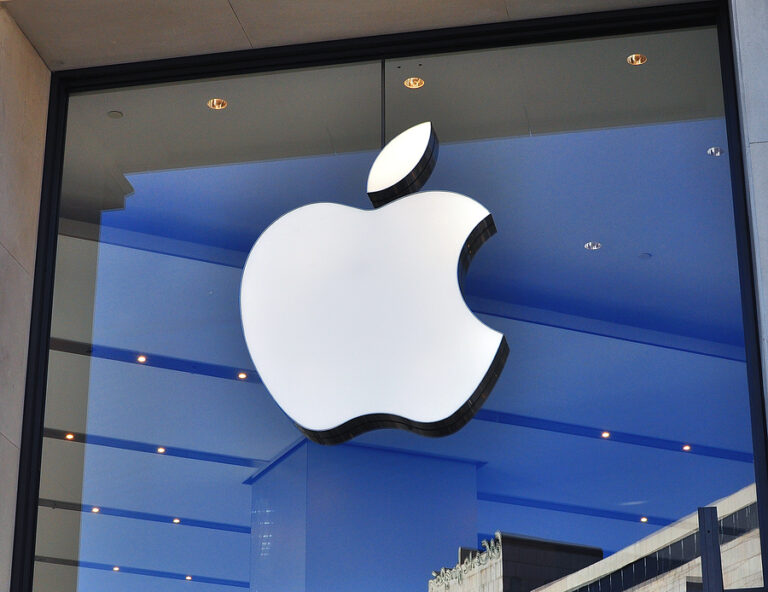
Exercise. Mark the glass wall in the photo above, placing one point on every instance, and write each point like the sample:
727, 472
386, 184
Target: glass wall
623, 404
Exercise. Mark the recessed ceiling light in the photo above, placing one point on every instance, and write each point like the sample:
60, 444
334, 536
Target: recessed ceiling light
188, 578
70, 436
95, 510
176, 520
643, 519
592, 246
115, 568
217, 104
115, 114
160, 450
141, 358
242, 375
687, 447
715, 151
605, 435
636, 59
413, 82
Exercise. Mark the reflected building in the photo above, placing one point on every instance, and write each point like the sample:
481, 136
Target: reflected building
669, 560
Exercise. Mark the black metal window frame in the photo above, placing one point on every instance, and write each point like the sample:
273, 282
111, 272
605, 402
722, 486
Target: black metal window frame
64, 83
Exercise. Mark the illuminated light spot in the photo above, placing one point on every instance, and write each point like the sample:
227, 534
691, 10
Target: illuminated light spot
217, 104
188, 578
413, 82
644, 519
141, 358
160, 450
687, 447
593, 246
605, 435
70, 436
176, 521
95, 510
636, 59
115, 568
242, 376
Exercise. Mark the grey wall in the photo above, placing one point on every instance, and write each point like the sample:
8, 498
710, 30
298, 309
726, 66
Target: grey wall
24, 83
750, 33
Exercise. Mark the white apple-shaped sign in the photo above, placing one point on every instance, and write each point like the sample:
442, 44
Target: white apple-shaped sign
355, 319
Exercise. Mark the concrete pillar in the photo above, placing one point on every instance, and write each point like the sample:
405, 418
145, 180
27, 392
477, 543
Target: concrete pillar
750, 40
24, 84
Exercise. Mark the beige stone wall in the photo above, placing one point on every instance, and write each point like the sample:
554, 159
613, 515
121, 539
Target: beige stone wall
741, 568
741, 559
750, 36
24, 85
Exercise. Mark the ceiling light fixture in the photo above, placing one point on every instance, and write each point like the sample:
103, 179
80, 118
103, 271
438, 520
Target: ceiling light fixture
160, 450
217, 104
687, 447
95, 510
188, 578
115, 114
115, 568
413, 82
592, 246
643, 519
605, 435
176, 521
141, 358
715, 151
70, 436
636, 59
242, 376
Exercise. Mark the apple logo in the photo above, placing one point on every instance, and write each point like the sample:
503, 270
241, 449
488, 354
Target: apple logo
355, 319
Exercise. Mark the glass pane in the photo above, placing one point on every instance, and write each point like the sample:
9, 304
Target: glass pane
623, 404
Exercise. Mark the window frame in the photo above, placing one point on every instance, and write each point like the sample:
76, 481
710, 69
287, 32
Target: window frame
561, 28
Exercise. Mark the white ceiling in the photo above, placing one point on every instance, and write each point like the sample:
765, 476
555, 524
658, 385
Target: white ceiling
80, 33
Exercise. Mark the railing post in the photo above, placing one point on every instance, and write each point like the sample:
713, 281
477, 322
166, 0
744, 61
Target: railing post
711, 566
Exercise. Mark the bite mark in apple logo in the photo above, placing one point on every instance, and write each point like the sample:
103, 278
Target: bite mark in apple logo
355, 319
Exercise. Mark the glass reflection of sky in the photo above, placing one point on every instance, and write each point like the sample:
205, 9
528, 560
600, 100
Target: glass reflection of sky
648, 348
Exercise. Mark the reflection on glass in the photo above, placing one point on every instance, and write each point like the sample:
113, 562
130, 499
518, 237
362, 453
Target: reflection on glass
623, 405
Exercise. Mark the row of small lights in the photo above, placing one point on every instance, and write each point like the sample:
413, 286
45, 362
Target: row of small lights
161, 450
97, 509
117, 568
606, 435
142, 359
412, 82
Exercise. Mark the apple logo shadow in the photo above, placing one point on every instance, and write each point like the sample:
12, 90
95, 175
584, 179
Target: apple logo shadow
355, 319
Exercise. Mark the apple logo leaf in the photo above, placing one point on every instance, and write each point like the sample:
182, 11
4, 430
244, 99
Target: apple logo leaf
355, 319
403, 165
